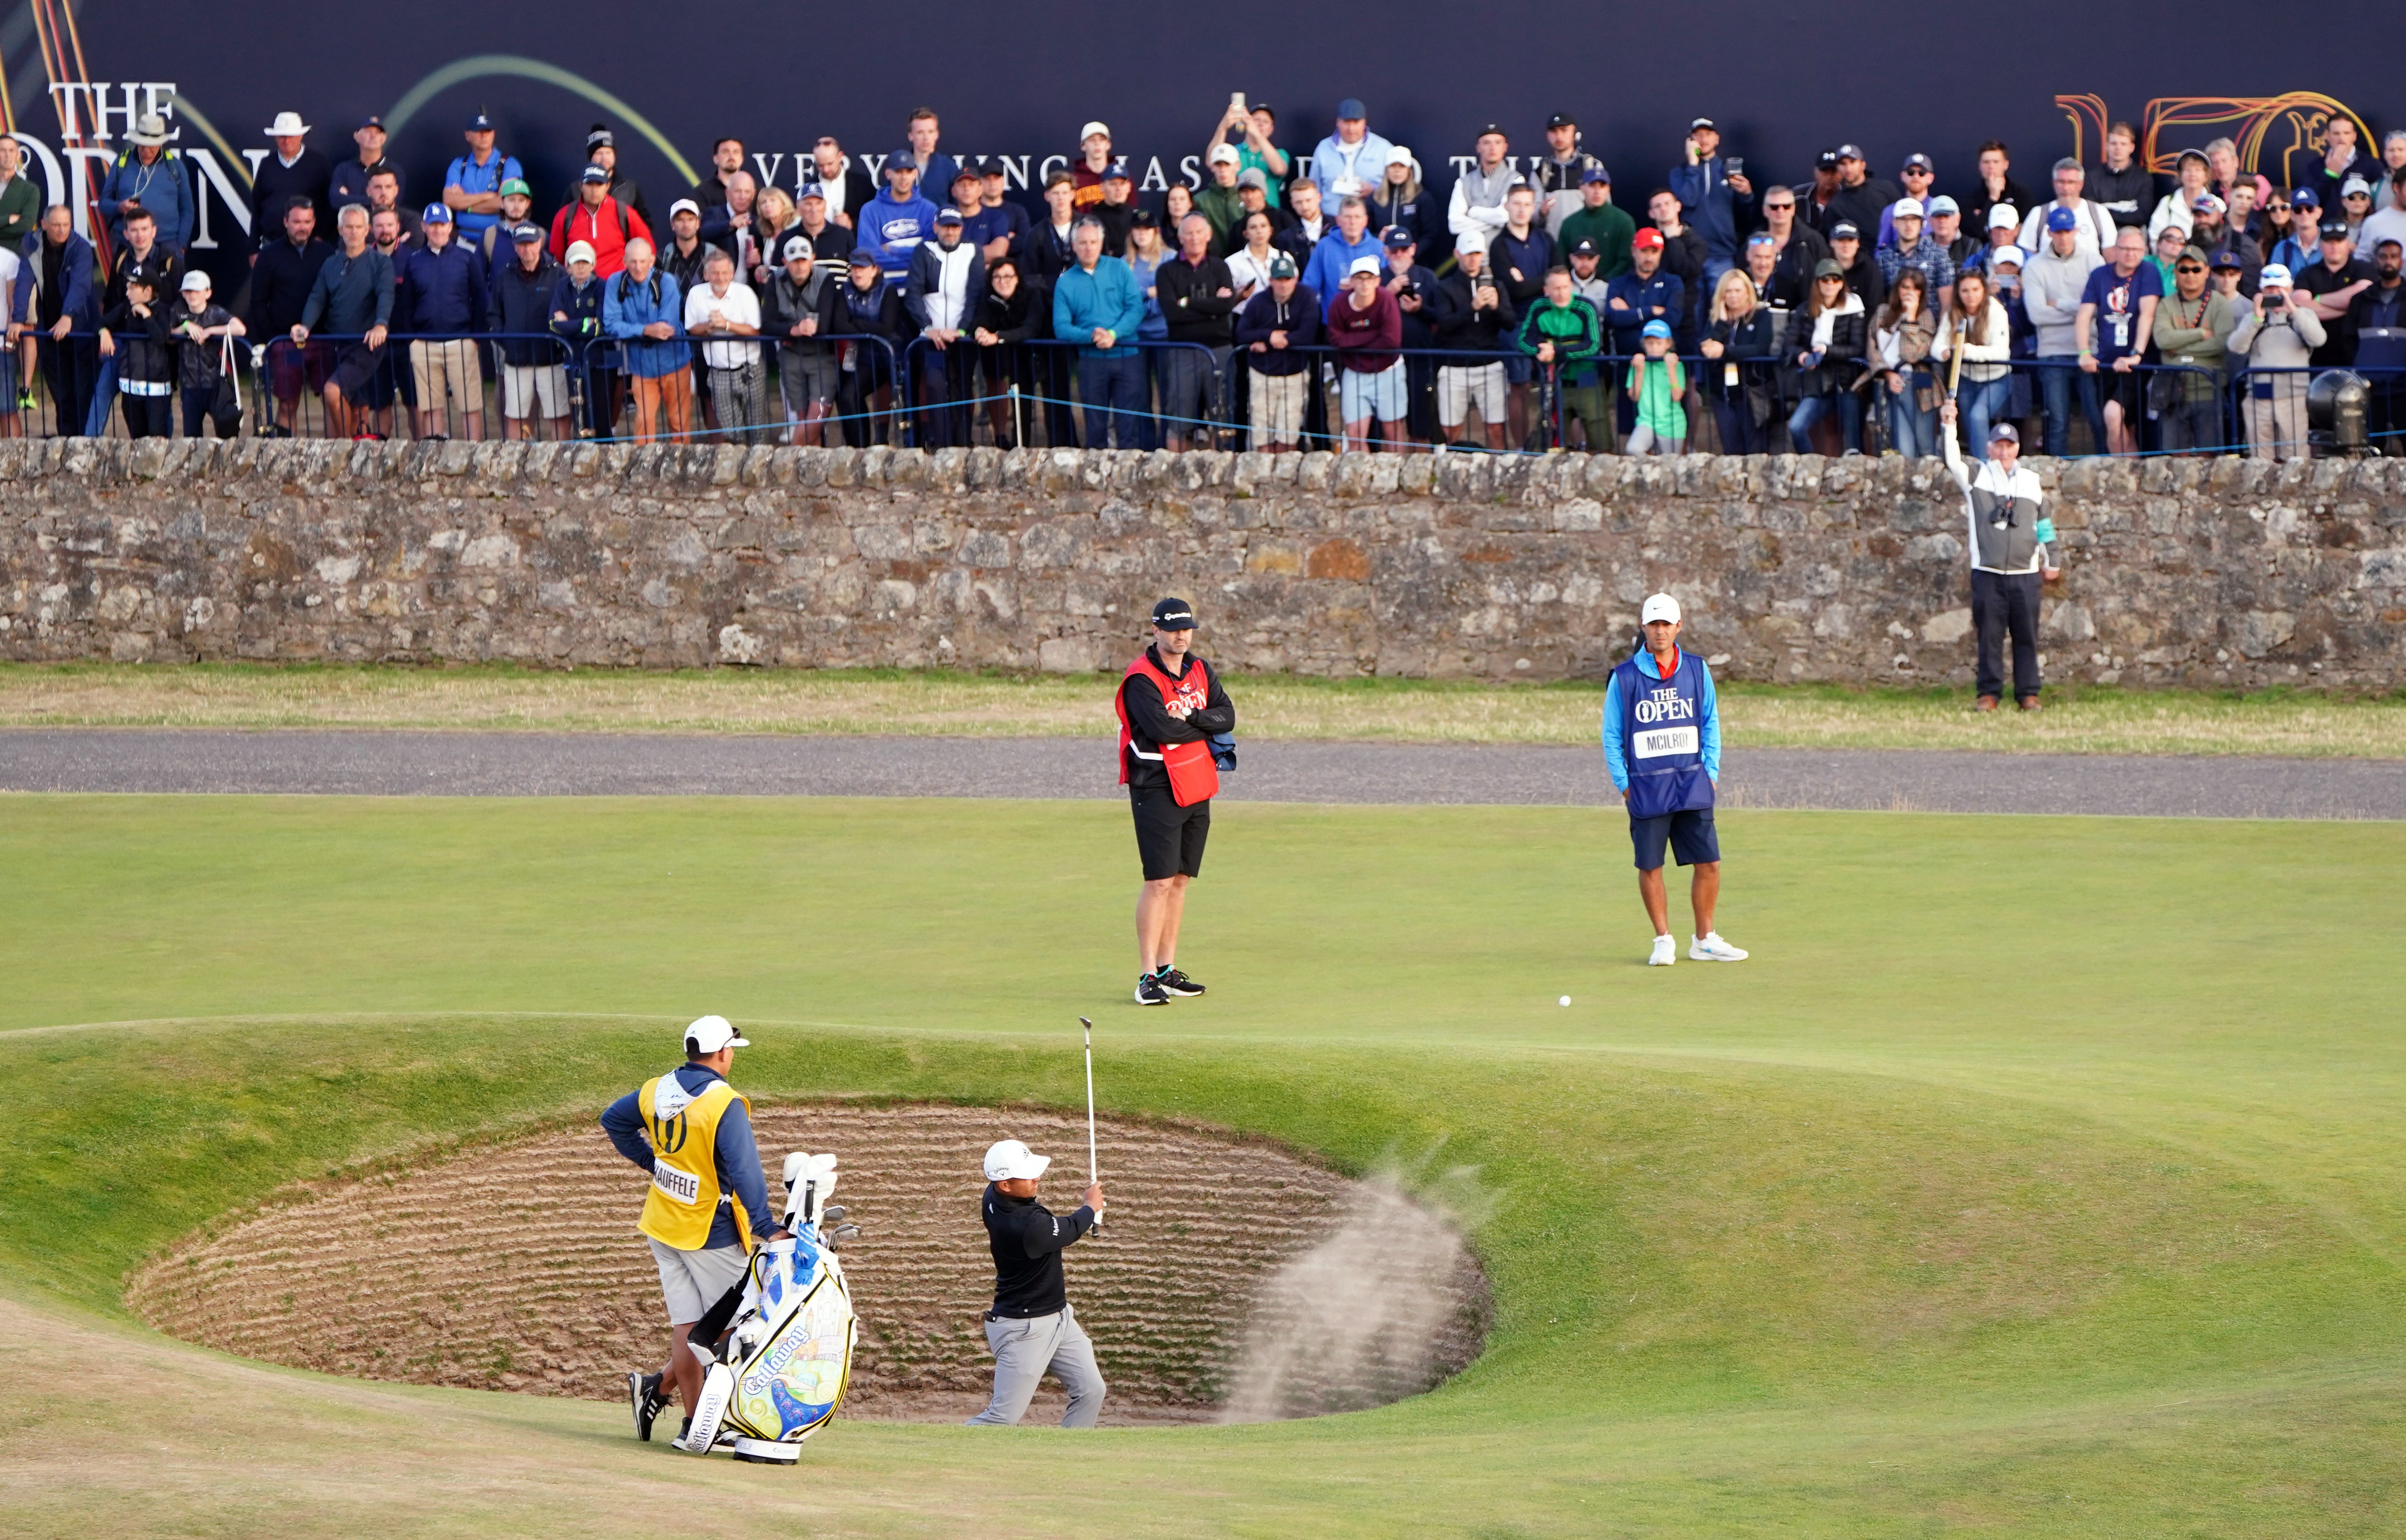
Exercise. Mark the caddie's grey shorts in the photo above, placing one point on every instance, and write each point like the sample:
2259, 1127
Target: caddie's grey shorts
1024, 1351
691, 1282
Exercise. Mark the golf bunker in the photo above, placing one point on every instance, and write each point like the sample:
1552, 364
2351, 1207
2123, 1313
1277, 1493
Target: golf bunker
1234, 1279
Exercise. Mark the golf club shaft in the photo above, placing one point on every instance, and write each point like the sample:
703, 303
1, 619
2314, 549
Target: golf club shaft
1092, 1175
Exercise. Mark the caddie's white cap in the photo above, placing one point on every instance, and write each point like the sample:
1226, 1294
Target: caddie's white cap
707, 1035
1659, 607
1008, 1160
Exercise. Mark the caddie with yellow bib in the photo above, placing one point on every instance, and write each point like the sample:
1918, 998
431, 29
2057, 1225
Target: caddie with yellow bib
1662, 746
691, 1133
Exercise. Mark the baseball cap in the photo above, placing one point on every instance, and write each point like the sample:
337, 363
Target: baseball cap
2275, 275
1118, 173
1351, 107
1918, 162
1399, 155
1496, 129
145, 274
1143, 220
579, 251
1253, 176
1562, 120
1845, 231
948, 215
1943, 204
1224, 155
1360, 265
1175, 615
2003, 217
1657, 329
1702, 123
2355, 187
434, 214
1595, 174
525, 233
515, 186
1906, 208
901, 160
863, 257
2305, 197
599, 137
2226, 258
2003, 433
685, 206
194, 279
2007, 255
798, 247
2334, 230
1008, 1160
1281, 266
1396, 237
2206, 203
480, 123
708, 1033
1092, 129
1827, 159
810, 189
1828, 268
1850, 152
1658, 607
967, 172
373, 121
1584, 248
1647, 239
990, 166
594, 173
2061, 218
1470, 240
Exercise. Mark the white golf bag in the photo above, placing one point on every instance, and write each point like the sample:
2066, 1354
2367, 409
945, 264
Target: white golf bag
781, 1370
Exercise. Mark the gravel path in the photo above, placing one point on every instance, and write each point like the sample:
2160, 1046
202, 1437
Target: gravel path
73, 760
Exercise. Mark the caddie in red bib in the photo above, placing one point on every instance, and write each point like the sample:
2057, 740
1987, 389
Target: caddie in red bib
1175, 728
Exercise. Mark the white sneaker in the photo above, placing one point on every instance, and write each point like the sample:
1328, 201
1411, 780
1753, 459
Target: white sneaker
1711, 948
1666, 952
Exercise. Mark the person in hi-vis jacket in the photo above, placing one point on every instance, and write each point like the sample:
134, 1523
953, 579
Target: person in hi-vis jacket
1663, 744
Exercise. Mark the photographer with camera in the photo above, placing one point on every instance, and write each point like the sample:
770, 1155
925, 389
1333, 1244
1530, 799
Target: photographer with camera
2277, 339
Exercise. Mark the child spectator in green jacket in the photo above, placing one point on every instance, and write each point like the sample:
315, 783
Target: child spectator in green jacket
1657, 384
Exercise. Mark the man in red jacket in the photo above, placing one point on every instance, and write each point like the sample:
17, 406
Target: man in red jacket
600, 222
1170, 707
1366, 327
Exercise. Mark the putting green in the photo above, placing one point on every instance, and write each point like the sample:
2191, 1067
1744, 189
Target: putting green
2039, 1175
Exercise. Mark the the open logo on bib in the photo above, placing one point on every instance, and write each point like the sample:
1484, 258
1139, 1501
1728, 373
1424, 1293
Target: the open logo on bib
1654, 742
683, 1186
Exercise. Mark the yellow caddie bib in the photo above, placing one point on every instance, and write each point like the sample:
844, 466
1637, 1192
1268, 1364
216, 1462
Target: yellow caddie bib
685, 1192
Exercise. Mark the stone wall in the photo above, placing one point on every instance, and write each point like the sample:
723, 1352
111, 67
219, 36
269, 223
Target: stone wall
2179, 570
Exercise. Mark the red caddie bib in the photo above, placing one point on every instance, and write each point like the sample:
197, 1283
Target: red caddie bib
1193, 776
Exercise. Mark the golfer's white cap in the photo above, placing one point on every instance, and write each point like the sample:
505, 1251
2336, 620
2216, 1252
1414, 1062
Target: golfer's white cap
707, 1035
1008, 1160
1659, 607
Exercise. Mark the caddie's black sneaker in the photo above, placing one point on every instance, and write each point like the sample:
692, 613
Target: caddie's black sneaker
1173, 981
1149, 990
643, 1392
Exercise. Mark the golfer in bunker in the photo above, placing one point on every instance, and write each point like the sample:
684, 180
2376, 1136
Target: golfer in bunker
1177, 728
691, 1133
1032, 1329
1663, 744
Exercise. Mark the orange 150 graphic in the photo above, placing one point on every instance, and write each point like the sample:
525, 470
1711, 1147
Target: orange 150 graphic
2279, 137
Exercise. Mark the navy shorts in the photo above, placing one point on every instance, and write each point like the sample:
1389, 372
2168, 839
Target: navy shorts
1690, 833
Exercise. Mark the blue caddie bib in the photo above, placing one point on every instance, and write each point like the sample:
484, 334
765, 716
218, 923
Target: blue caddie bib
1663, 734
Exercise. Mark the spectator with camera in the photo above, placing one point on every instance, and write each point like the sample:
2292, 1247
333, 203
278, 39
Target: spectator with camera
1825, 345
1254, 128
1715, 197
1474, 317
1413, 288
2277, 340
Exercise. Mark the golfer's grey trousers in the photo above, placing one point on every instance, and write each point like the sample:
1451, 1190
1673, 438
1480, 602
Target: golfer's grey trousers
1024, 1351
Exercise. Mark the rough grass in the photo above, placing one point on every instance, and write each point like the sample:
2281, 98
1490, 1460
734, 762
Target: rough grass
2080, 720
2011, 1185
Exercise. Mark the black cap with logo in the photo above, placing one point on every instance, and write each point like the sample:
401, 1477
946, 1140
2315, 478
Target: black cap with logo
1173, 615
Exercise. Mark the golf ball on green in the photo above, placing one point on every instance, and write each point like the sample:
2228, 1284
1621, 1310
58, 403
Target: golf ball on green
1566, 999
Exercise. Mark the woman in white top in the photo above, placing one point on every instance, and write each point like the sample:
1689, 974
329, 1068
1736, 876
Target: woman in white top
1904, 336
1249, 265
1978, 325
2179, 205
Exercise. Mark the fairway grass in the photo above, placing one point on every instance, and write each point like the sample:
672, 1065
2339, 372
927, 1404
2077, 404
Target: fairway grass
499, 698
2037, 1177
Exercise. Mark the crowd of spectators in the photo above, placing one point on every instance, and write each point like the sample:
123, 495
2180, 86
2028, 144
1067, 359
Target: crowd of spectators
1293, 298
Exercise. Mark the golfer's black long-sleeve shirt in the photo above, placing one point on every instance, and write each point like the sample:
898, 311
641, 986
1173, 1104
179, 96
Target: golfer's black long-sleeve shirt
1027, 1240
1152, 725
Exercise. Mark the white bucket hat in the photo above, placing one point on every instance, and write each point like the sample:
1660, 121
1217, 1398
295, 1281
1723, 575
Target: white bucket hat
150, 129
288, 126
1008, 1160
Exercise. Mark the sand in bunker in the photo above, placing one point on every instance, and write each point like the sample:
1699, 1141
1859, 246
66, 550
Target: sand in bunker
516, 1266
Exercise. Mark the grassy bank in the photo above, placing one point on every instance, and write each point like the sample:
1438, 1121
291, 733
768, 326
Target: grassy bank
2092, 720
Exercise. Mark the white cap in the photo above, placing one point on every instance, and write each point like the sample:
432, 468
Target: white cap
2002, 217
1401, 156
194, 278
1092, 129
685, 206
1008, 1160
1360, 265
706, 1035
2275, 275
1659, 607
579, 251
1225, 155
1470, 240
1907, 208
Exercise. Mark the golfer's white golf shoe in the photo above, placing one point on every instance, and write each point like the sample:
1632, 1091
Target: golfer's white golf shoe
1666, 952
1711, 948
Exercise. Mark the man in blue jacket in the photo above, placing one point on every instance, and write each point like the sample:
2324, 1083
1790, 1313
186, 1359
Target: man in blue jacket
643, 307
1334, 257
58, 293
1662, 746
446, 289
150, 175
897, 219
1097, 305
1715, 202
